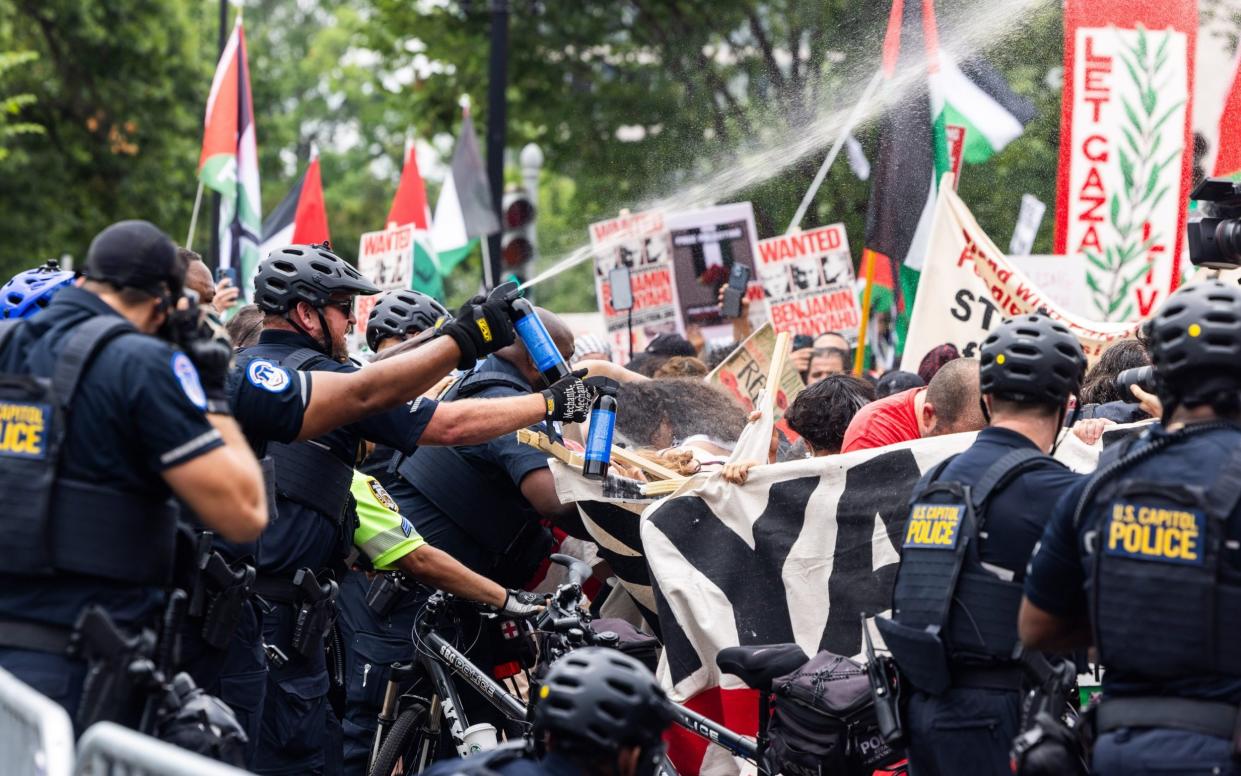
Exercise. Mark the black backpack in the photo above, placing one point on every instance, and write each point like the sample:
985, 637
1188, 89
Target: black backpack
824, 721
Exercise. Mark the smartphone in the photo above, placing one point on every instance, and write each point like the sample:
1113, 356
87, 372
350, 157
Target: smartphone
622, 288
738, 282
226, 272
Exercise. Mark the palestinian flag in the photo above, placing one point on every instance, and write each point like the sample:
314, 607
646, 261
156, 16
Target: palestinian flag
1228, 160
409, 206
465, 211
229, 162
301, 217
913, 147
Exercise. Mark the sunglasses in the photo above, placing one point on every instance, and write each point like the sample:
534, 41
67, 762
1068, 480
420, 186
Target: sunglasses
345, 307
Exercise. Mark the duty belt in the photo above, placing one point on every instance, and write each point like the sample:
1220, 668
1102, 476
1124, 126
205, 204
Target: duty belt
1211, 718
997, 677
35, 636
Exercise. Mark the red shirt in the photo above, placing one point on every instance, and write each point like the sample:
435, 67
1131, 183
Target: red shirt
884, 422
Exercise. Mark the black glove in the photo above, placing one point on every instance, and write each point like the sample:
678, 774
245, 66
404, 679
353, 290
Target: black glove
520, 603
569, 399
482, 326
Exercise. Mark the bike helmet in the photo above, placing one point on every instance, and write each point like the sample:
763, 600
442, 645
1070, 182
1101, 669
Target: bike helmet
1195, 342
29, 292
600, 699
305, 273
398, 313
1031, 359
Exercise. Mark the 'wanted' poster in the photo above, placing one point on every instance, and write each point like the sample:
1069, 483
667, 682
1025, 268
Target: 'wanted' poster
808, 277
638, 241
705, 245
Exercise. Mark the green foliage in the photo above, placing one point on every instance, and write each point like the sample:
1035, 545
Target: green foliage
12, 105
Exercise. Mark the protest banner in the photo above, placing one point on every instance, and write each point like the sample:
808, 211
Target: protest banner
1126, 148
386, 258
744, 375
808, 277
705, 245
1063, 278
968, 286
638, 241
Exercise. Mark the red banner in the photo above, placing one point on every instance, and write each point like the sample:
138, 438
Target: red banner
1126, 148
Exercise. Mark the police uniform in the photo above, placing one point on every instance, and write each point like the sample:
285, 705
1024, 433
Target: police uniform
374, 640
506, 761
137, 411
269, 404
312, 529
968, 725
1153, 560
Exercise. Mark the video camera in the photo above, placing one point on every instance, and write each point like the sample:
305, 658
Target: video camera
1215, 235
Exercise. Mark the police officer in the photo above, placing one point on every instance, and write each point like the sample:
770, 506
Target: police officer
306, 293
399, 314
102, 419
600, 713
973, 522
1143, 559
28, 292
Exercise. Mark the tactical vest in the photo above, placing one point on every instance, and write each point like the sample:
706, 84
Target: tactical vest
948, 610
492, 515
1159, 605
52, 523
309, 474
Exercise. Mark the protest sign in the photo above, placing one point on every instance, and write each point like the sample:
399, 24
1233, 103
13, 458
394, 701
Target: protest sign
808, 277
1063, 278
1028, 221
968, 287
744, 375
1125, 148
386, 258
638, 241
705, 245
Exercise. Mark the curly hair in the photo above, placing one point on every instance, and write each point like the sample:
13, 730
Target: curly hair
1099, 385
821, 413
689, 407
681, 366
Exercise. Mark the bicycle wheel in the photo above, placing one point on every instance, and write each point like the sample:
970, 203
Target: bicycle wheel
406, 749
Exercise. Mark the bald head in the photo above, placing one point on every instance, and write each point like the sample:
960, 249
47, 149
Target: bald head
516, 353
953, 396
198, 279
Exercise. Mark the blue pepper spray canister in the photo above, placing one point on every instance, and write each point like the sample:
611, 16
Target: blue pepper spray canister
598, 455
539, 343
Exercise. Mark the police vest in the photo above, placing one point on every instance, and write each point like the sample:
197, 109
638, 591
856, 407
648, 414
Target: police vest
947, 609
1159, 604
491, 513
309, 474
52, 523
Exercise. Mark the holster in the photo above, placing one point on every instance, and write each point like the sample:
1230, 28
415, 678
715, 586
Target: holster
316, 611
220, 593
386, 592
115, 661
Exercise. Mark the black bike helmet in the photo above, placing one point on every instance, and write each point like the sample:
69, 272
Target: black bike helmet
305, 273
1195, 342
1031, 359
398, 313
599, 699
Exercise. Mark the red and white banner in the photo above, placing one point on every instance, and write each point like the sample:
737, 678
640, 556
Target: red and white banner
808, 277
1126, 148
638, 241
386, 258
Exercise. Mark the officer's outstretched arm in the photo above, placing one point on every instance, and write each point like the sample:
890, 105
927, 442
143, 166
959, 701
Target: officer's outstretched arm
338, 399
1042, 630
224, 487
436, 568
472, 421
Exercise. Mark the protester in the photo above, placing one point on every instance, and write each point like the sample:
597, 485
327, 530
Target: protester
825, 362
671, 344
1101, 397
896, 381
245, 325
948, 405
591, 347
935, 360
821, 413
681, 366
716, 355
667, 413
832, 339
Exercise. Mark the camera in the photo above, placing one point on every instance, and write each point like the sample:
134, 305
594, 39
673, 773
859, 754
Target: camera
1215, 232
1141, 376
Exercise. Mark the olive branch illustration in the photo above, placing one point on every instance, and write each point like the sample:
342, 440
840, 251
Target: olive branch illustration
1142, 162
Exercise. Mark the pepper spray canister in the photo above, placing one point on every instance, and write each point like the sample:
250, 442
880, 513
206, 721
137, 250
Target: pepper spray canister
598, 455
539, 344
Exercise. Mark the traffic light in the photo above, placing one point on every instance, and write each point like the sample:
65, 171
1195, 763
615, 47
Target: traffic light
517, 248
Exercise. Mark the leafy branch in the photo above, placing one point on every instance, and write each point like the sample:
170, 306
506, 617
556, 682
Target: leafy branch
1142, 162
11, 106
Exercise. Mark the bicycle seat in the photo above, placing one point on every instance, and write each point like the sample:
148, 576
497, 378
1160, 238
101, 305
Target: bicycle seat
759, 665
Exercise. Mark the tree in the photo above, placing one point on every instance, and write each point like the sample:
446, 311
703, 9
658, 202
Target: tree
11, 106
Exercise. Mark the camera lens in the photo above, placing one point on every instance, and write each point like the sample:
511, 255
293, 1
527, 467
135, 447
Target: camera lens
1141, 376
1228, 240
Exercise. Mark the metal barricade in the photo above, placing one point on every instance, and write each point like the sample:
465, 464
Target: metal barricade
107, 749
36, 736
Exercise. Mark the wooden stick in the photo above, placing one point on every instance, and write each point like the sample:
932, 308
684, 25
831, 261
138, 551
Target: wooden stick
778, 356
859, 358
539, 440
